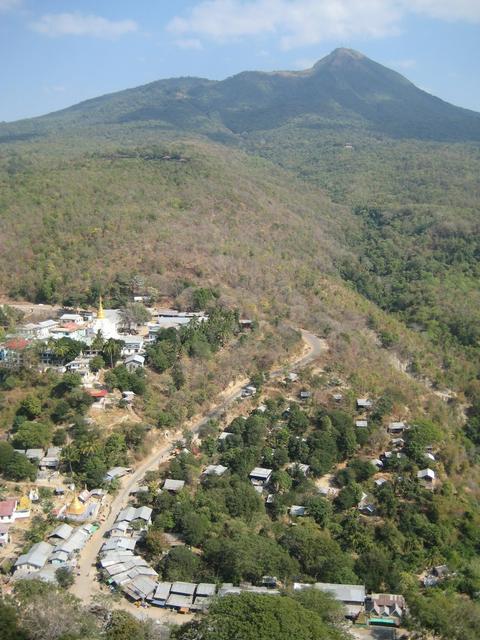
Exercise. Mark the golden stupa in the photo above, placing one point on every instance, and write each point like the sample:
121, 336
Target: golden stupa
101, 312
24, 503
75, 508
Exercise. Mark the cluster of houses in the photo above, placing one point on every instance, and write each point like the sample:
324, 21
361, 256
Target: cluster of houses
192, 597
124, 570
63, 544
43, 559
139, 582
260, 477
85, 326
16, 351
47, 460
183, 597
130, 573
381, 609
121, 567
396, 430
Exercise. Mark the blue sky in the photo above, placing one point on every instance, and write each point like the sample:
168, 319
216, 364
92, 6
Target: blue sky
58, 52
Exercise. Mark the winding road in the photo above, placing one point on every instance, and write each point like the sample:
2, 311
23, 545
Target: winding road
84, 586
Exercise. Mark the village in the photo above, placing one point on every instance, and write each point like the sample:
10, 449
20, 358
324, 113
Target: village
32, 345
121, 568
82, 514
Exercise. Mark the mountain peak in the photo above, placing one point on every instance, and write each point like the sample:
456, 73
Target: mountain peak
340, 57
342, 52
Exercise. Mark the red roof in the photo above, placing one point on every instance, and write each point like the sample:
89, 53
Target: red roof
17, 344
98, 393
70, 326
7, 507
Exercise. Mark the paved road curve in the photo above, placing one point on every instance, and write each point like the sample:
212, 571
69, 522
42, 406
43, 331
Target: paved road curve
85, 582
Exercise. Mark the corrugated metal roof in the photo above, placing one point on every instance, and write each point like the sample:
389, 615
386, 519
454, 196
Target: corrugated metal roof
343, 592
114, 557
297, 510
260, 472
37, 555
130, 513
173, 485
118, 542
215, 469
185, 588
74, 543
179, 602
59, 556
63, 531
143, 586
162, 591
205, 589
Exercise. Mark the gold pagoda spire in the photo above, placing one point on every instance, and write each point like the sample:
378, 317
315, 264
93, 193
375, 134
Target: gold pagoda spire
24, 503
75, 508
101, 312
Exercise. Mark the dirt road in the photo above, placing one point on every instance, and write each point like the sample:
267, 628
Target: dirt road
84, 586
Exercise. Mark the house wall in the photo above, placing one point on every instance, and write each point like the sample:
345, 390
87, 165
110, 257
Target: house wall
7, 519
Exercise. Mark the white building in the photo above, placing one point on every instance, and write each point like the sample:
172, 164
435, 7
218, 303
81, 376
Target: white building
4, 535
35, 558
134, 362
260, 476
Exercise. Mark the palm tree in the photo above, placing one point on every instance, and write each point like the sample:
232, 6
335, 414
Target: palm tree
112, 350
89, 447
70, 456
98, 342
60, 350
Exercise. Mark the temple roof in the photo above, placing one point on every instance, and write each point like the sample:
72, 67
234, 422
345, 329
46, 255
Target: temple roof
75, 508
24, 504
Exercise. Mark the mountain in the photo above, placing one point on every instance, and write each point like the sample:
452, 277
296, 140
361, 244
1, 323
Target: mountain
343, 89
249, 185
341, 199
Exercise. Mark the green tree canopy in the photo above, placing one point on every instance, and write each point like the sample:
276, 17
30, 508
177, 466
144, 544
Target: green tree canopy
252, 617
31, 435
180, 564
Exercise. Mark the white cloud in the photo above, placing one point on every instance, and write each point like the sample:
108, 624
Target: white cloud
8, 5
298, 23
450, 10
189, 43
78, 24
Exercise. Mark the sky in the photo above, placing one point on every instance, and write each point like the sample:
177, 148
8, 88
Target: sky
55, 53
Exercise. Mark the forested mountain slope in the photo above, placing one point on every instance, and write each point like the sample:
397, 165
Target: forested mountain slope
378, 185
206, 212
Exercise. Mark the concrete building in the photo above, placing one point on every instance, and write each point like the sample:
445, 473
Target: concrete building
260, 476
35, 558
